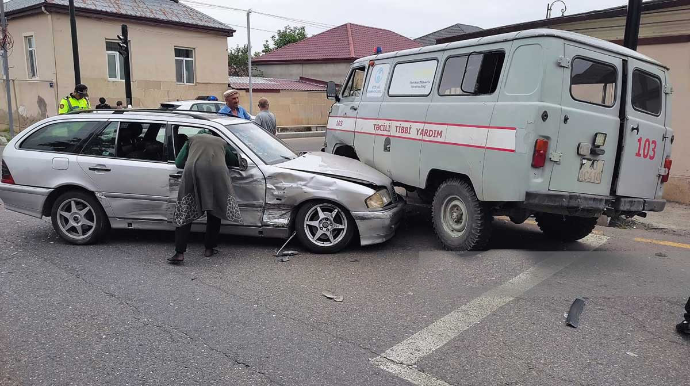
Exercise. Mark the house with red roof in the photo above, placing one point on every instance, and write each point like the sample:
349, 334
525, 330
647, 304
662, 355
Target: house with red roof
328, 55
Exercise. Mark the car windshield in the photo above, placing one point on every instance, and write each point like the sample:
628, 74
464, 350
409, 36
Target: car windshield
270, 149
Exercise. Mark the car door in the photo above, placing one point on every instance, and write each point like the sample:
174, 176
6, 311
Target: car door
368, 111
249, 184
126, 162
590, 107
343, 117
644, 134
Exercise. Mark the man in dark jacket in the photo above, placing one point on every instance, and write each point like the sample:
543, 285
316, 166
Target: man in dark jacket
102, 104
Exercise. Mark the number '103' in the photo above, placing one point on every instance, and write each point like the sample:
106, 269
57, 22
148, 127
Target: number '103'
646, 148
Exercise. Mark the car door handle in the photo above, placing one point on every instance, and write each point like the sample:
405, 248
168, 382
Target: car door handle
353, 108
175, 175
99, 168
635, 128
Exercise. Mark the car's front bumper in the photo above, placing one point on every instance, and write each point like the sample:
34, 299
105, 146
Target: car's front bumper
378, 226
24, 199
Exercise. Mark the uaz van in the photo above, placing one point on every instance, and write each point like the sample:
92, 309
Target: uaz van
544, 122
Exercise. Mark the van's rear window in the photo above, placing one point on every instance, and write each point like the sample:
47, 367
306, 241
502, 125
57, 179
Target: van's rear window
593, 82
646, 92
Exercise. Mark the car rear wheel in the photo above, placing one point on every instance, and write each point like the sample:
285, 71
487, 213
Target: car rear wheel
78, 218
565, 228
324, 227
461, 221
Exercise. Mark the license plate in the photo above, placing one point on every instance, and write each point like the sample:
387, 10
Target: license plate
591, 171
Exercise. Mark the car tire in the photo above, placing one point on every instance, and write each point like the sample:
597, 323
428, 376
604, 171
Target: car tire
461, 221
78, 218
324, 227
565, 228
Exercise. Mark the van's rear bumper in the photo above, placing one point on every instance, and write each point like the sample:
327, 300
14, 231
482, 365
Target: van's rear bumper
587, 204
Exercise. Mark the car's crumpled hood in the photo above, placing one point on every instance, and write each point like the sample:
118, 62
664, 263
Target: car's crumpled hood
336, 166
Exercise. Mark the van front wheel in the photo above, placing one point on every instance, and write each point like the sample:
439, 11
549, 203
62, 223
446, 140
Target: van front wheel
565, 228
461, 221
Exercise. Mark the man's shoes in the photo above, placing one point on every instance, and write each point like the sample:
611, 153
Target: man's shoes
683, 328
177, 258
210, 252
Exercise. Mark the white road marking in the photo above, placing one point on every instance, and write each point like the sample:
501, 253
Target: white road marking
400, 359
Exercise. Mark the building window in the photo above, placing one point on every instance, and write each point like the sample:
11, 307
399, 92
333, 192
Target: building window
31, 64
116, 63
184, 65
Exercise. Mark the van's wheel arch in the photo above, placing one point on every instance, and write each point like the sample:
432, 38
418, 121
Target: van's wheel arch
346, 151
78, 217
461, 221
565, 228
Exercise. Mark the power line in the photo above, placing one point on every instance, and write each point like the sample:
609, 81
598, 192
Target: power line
309, 23
252, 28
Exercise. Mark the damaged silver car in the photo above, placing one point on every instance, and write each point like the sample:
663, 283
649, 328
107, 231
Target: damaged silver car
93, 171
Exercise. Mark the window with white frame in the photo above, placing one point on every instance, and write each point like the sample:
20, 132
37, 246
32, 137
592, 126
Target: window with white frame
31, 63
116, 63
184, 65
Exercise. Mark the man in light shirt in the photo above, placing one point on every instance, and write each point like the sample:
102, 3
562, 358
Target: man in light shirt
265, 118
232, 105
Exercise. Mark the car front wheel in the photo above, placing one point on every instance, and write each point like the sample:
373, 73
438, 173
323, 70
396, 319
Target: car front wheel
78, 218
324, 227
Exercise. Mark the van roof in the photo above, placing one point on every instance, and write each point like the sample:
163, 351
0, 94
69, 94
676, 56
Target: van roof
542, 32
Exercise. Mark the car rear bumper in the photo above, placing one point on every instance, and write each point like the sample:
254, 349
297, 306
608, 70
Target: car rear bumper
28, 200
587, 204
379, 226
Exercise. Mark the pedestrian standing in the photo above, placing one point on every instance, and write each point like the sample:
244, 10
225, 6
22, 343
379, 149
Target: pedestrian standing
684, 326
102, 104
118, 105
205, 188
232, 106
265, 118
77, 100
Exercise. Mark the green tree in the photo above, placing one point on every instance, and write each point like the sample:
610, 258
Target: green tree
238, 60
287, 35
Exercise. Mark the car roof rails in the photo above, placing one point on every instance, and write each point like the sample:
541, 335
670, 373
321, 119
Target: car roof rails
158, 111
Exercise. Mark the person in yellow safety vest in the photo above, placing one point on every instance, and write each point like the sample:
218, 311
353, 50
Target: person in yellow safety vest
78, 100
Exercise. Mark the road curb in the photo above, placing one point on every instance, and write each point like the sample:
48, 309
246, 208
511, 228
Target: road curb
304, 134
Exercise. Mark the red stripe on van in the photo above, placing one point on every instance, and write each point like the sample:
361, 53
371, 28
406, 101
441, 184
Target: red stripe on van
428, 123
435, 142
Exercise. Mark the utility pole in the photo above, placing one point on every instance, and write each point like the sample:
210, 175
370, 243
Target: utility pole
75, 46
124, 51
249, 61
632, 24
6, 67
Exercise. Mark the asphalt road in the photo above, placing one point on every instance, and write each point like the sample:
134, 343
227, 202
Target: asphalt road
305, 144
117, 314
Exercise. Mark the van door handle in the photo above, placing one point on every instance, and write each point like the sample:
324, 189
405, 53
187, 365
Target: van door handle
387, 144
353, 108
99, 168
635, 128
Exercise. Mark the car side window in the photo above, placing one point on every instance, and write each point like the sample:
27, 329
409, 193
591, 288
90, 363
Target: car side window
355, 83
133, 140
182, 133
61, 137
103, 144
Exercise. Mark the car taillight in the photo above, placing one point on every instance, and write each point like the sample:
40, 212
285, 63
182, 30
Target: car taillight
6, 175
667, 166
539, 157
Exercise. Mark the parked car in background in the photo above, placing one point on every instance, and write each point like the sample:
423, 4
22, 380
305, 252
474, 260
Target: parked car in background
100, 169
195, 105
544, 122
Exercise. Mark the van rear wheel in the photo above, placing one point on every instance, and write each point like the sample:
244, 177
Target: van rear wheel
565, 228
461, 221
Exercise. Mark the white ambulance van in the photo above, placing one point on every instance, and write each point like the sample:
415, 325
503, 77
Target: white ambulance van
544, 122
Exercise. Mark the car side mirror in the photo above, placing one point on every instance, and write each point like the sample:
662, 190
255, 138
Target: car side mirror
331, 91
244, 165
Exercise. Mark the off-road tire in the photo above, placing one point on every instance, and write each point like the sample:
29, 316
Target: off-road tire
477, 231
100, 218
565, 228
306, 241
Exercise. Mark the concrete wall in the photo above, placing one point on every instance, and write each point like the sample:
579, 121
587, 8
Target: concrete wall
293, 108
32, 101
320, 71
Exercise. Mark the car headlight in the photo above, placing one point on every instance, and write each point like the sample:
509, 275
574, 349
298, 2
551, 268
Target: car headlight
379, 199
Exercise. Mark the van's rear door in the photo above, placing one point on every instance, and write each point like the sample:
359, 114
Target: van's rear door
644, 132
590, 105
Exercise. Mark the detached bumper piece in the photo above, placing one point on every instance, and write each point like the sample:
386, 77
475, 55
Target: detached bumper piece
572, 204
628, 204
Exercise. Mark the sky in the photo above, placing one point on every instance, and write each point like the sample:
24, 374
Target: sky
411, 18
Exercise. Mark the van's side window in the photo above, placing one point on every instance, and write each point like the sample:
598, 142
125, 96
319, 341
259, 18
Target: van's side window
593, 82
413, 78
355, 83
646, 92
474, 74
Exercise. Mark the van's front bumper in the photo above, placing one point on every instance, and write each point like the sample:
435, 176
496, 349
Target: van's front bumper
24, 199
587, 204
378, 226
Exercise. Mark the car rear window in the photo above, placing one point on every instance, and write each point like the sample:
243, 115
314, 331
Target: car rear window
646, 92
62, 137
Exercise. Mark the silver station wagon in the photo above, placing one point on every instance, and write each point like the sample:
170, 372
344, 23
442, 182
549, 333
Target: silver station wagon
97, 170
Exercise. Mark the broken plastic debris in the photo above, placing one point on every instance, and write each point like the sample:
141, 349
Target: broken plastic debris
328, 294
632, 354
278, 254
284, 259
660, 254
339, 298
573, 319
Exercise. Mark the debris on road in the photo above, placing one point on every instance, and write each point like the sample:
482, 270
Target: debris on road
660, 254
632, 354
573, 319
332, 296
286, 253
